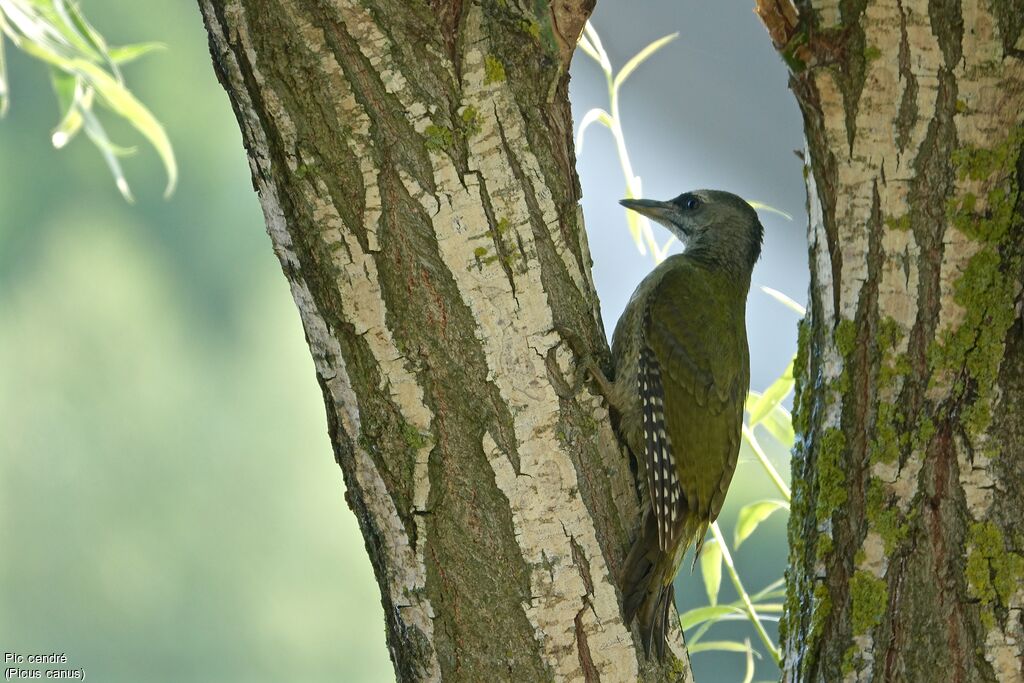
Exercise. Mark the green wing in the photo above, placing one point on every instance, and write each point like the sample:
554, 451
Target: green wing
695, 356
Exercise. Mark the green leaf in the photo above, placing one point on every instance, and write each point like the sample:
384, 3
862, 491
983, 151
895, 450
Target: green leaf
761, 206
94, 129
784, 300
750, 516
83, 69
4, 92
776, 589
749, 676
773, 395
129, 53
779, 424
639, 58
708, 613
117, 97
599, 54
83, 30
721, 646
636, 223
68, 89
595, 115
711, 569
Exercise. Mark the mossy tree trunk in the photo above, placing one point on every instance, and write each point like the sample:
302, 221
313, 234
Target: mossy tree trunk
415, 166
907, 531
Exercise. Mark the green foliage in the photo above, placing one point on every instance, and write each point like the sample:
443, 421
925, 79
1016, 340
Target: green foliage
752, 515
711, 569
84, 71
160, 412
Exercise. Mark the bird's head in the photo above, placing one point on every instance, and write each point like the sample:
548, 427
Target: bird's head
711, 224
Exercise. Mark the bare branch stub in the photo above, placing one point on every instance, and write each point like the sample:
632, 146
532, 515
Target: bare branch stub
780, 17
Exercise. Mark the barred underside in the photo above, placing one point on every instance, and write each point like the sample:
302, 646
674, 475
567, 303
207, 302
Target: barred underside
667, 500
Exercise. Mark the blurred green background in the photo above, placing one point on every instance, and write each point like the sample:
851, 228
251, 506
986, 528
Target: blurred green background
170, 509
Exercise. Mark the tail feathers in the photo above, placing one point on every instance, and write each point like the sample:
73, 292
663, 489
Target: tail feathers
647, 590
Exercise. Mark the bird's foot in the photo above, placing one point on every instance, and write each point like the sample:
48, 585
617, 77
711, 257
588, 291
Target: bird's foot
585, 360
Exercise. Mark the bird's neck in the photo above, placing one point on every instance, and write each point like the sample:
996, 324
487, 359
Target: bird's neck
722, 262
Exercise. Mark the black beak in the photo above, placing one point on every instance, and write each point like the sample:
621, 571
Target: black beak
655, 210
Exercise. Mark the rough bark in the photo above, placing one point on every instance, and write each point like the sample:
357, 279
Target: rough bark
415, 166
907, 529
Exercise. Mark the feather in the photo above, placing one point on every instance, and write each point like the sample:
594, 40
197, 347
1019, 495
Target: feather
667, 499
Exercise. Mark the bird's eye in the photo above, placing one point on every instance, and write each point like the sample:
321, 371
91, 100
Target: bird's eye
690, 203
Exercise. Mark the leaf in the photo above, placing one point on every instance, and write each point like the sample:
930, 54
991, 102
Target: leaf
773, 395
721, 646
84, 31
4, 92
784, 300
761, 206
638, 225
588, 49
749, 676
68, 89
129, 53
708, 613
595, 115
94, 129
776, 589
117, 97
750, 516
711, 569
779, 424
769, 607
599, 52
639, 58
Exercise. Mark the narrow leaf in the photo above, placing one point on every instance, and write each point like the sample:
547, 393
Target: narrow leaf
761, 206
784, 300
4, 92
749, 676
595, 115
721, 646
711, 569
773, 395
639, 58
85, 32
752, 515
599, 51
708, 613
68, 89
94, 129
117, 97
588, 49
779, 424
129, 53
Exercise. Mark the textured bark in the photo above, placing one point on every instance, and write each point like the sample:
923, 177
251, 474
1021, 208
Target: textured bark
906, 536
414, 162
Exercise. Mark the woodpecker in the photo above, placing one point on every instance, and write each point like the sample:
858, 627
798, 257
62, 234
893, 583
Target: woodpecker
682, 370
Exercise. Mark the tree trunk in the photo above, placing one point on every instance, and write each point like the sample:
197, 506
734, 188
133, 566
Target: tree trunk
907, 528
414, 162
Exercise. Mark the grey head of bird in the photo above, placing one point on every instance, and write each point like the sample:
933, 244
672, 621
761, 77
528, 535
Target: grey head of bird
713, 226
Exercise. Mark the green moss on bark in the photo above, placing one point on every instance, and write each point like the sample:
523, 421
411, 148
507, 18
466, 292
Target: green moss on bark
832, 491
868, 598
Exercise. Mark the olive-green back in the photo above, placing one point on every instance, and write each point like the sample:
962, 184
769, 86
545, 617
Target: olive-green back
695, 327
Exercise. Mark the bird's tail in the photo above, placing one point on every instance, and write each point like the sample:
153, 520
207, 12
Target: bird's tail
647, 591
